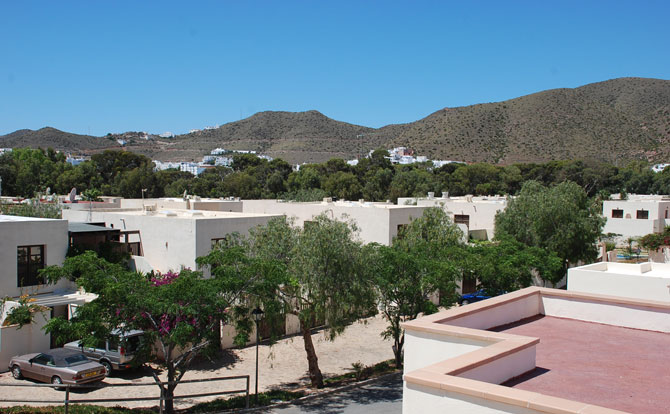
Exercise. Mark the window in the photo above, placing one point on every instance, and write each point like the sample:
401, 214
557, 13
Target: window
30, 260
643, 214
42, 359
462, 219
221, 241
617, 213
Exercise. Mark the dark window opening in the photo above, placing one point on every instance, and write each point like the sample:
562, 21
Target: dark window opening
30, 259
617, 213
643, 214
462, 219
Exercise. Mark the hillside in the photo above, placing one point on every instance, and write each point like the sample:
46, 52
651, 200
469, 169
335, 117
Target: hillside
615, 120
54, 138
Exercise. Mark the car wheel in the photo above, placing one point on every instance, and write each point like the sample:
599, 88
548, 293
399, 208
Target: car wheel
57, 381
108, 368
16, 372
464, 302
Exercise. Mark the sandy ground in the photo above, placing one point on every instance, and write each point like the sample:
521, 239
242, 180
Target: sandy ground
282, 365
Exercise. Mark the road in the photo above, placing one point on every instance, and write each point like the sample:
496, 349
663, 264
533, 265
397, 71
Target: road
379, 397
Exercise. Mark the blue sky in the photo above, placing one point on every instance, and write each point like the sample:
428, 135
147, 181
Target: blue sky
97, 67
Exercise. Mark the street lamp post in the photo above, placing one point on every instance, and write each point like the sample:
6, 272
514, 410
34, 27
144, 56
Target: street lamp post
257, 314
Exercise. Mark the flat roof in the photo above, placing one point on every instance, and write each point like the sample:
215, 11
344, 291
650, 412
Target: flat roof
183, 213
74, 227
638, 269
610, 366
5, 218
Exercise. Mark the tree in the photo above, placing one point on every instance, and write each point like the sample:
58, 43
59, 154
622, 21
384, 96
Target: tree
314, 274
559, 219
181, 312
412, 269
405, 283
343, 185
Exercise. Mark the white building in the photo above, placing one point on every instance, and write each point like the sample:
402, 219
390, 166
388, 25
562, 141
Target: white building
636, 216
171, 239
377, 222
476, 213
231, 204
649, 281
26, 246
167, 134
74, 161
659, 167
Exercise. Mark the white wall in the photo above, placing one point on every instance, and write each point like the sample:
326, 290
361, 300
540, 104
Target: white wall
629, 225
608, 313
481, 210
377, 222
506, 312
419, 399
615, 280
30, 338
179, 203
23, 231
425, 348
170, 243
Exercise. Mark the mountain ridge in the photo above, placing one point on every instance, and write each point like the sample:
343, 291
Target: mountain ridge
615, 120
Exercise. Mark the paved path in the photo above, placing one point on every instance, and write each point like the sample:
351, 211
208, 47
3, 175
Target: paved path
282, 365
379, 397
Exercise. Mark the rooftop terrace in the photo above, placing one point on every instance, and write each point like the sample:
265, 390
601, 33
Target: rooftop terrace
610, 366
553, 351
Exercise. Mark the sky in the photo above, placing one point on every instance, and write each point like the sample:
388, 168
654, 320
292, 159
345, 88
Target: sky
94, 67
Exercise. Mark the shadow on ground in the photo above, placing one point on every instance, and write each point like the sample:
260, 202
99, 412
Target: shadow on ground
385, 390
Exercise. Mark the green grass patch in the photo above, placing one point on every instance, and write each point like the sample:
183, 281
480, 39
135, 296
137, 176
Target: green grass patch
264, 399
75, 409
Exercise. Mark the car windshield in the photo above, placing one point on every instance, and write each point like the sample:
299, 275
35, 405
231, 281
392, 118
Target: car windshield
75, 360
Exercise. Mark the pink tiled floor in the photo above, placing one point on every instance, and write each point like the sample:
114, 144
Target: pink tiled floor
619, 368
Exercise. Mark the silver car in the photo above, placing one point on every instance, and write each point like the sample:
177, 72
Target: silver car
116, 353
57, 366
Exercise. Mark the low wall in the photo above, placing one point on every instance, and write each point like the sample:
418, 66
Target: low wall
608, 310
452, 364
607, 281
28, 339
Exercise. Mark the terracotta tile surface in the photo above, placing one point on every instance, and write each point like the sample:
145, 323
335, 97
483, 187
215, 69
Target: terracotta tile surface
618, 368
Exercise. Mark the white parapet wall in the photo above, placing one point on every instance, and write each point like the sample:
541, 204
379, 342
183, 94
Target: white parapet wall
454, 365
650, 281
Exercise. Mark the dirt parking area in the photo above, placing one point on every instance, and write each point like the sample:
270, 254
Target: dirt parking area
283, 364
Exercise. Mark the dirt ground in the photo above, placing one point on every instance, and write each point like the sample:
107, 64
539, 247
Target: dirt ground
283, 364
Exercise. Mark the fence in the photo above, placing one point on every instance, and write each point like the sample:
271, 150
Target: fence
67, 401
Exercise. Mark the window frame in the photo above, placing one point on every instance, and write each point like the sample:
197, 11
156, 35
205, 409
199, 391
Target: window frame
27, 272
617, 213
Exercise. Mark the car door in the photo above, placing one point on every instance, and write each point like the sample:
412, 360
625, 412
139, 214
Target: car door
38, 369
96, 352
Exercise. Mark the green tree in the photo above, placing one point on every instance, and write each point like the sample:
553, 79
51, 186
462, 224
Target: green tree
180, 312
559, 219
314, 275
412, 269
343, 185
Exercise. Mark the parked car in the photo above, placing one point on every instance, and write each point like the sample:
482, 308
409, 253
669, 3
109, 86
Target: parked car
57, 366
477, 296
116, 353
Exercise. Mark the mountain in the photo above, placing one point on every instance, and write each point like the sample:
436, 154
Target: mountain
616, 120
54, 138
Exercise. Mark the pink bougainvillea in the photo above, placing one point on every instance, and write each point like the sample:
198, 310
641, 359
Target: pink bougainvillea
164, 278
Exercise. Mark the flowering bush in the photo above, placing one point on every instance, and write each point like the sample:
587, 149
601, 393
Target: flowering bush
23, 314
654, 241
